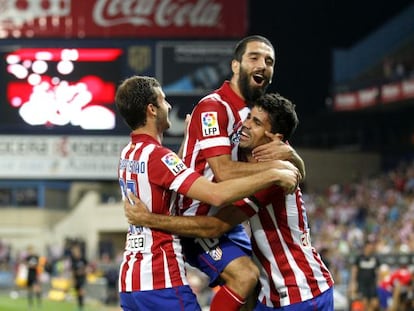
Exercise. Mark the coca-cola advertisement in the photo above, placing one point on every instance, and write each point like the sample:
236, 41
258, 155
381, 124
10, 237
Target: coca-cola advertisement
127, 19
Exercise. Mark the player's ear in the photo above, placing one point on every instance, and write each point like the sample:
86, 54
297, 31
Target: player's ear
151, 110
235, 66
280, 136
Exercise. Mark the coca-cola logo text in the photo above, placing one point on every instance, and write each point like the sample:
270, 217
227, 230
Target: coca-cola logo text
161, 13
122, 18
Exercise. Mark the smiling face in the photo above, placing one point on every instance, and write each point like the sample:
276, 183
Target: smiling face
253, 130
254, 72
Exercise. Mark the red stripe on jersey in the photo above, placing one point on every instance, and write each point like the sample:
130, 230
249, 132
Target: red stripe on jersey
201, 144
136, 280
171, 263
323, 268
277, 249
281, 244
123, 272
266, 266
302, 223
154, 172
158, 262
301, 210
297, 251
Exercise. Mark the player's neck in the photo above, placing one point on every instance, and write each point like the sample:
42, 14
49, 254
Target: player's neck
150, 130
235, 87
246, 155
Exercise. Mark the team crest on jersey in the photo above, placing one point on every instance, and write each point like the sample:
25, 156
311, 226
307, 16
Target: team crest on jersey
216, 253
173, 163
209, 124
235, 135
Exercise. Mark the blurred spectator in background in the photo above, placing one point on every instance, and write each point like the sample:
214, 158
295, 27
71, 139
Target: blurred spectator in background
5, 255
79, 269
395, 289
110, 272
363, 283
33, 281
402, 283
385, 288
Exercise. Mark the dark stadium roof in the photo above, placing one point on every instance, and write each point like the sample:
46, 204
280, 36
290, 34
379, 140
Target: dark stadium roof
304, 32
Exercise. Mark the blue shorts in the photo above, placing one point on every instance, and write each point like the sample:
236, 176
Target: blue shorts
212, 255
384, 297
323, 302
180, 298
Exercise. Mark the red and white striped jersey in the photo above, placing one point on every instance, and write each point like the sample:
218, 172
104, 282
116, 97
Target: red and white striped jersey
212, 131
291, 270
152, 259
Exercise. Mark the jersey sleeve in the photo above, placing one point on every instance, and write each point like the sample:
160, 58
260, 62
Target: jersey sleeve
252, 205
246, 207
170, 172
210, 127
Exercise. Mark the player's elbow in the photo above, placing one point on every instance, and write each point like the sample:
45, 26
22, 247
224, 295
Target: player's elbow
218, 199
214, 196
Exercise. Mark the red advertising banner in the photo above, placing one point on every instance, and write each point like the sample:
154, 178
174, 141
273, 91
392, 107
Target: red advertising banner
385, 94
356, 100
123, 18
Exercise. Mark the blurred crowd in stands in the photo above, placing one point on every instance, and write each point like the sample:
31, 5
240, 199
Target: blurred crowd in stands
377, 207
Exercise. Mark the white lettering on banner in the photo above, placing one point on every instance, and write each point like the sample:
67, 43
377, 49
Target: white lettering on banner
408, 88
13, 12
96, 148
345, 101
23, 147
205, 13
390, 91
368, 97
78, 157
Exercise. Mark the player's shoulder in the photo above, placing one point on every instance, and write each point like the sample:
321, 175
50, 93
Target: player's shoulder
211, 102
166, 155
160, 151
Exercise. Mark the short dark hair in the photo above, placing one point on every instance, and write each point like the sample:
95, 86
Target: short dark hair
132, 98
282, 114
240, 48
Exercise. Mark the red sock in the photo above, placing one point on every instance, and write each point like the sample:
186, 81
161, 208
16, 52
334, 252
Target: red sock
226, 299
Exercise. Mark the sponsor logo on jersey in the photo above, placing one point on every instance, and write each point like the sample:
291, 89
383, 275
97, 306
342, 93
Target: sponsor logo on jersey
209, 124
173, 163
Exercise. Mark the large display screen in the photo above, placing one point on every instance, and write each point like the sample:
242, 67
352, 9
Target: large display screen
66, 90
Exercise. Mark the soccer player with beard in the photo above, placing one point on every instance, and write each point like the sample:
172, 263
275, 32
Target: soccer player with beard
292, 273
210, 147
152, 273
